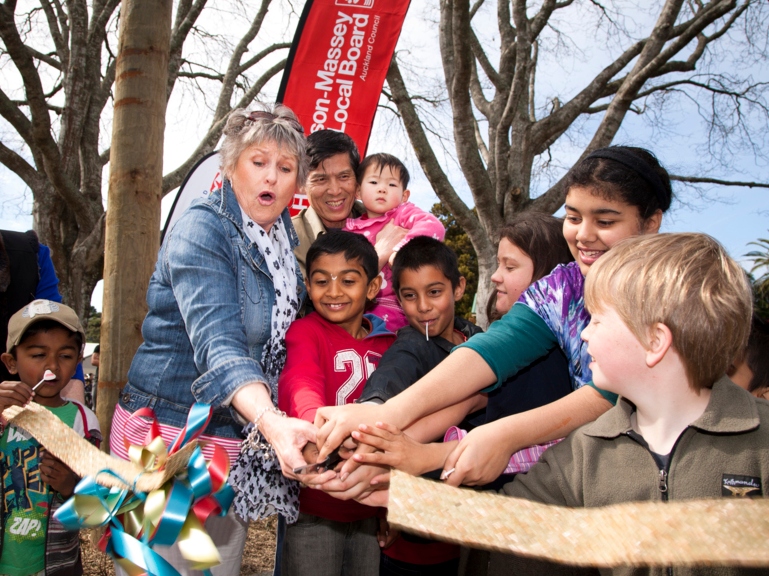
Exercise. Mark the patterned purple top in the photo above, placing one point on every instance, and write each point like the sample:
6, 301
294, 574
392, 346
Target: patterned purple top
559, 299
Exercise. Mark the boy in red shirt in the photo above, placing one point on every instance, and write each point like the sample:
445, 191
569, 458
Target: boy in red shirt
330, 354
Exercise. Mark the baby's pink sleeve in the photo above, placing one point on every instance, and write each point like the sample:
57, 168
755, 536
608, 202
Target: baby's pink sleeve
418, 223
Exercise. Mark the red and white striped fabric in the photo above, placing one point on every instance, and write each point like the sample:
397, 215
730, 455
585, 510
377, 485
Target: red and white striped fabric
136, 431
520, 462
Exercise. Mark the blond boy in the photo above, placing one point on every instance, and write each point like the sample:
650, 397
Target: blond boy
669, 313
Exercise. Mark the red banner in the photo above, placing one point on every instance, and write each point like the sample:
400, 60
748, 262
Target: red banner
337, 66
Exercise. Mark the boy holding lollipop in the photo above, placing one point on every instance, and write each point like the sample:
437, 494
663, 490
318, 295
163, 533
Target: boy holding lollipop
44, 347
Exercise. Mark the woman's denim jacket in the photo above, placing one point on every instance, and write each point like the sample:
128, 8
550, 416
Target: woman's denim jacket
210, 303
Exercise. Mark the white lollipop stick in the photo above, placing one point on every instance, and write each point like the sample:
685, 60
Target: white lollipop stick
47, 376
427, 331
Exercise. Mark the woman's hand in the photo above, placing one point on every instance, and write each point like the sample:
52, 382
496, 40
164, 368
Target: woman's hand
288, 437
399, 450
479, 458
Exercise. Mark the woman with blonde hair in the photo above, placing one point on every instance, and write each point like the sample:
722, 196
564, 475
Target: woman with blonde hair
225, 289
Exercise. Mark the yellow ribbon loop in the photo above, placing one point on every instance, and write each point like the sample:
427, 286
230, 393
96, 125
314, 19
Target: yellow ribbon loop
151, 457
196, 545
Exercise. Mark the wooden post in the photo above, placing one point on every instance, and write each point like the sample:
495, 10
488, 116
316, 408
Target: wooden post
133, 202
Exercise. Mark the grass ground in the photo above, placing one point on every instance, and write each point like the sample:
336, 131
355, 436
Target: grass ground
257, 556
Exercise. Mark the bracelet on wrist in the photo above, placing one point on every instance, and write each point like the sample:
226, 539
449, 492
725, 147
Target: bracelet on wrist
253, 440
262, 411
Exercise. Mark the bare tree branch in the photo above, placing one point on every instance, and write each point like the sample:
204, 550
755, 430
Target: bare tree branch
186, 16
207, 75
47, 58
20, 167
483, 60
56, 33
225, 97
16, 118
702, 180
424, 151
262, 55
467, 151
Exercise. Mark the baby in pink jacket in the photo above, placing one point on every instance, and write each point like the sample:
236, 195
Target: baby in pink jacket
382, 187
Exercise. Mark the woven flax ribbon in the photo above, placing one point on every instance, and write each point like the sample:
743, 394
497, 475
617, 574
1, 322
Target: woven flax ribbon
728, 531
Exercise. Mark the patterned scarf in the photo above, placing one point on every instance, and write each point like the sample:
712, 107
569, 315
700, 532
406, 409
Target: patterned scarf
262, 490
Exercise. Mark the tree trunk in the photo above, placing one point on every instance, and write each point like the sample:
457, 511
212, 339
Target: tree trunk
135, 189
487, 263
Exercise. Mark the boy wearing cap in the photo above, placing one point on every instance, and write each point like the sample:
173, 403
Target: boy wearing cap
43, 336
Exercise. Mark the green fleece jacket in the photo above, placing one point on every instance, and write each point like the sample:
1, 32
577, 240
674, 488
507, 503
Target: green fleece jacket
605, 462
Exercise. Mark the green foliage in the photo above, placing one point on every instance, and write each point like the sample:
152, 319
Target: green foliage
760, 260
93, 325
457, 240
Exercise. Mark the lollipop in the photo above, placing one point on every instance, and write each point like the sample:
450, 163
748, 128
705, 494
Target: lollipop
47, 376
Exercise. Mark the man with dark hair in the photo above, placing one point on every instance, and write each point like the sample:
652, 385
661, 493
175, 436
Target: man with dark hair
330, 188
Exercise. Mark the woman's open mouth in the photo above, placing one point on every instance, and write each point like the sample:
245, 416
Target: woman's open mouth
266, 198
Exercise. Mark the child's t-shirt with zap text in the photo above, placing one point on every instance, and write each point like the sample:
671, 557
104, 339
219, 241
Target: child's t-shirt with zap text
26, 498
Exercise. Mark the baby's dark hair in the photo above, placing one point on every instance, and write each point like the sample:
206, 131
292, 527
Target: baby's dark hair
425, 251
353, 246
633, 175
383, 161
45, 326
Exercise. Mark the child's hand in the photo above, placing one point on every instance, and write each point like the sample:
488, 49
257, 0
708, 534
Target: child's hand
399, 450
375, 499
357, 484
387, 239
57, 474
478, 458
336, 422
310, 453
349, 465
386, 535
14, 394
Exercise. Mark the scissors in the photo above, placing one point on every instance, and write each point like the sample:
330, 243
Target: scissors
319, 467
